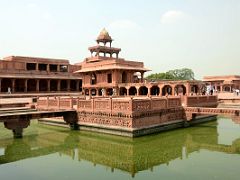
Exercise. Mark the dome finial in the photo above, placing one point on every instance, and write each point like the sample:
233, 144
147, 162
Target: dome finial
104, 36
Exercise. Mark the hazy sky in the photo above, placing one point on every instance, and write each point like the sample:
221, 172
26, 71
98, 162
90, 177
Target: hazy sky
203, 35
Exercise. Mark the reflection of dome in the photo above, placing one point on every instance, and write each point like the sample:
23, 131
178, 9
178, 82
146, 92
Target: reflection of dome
104, 36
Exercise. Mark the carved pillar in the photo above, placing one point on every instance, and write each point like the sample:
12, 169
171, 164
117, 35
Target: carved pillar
149, 91
127, 91
25, 85
137, 91
142, 74
48, 85
59, 85
77, 85
58, 68
48, 67
68, 85
221, 88
37, 85
13, 85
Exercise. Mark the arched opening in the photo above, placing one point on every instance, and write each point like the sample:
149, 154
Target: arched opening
194, 89
6, 83
19, 85
93, 92
123, 91
180, 90
227, 88
73, 85
155, 90
31, 85
143, 90
124, 77
93, 79
166, 90
109, 92
53, 85
63, 85
43, 85
86, 92
132, 91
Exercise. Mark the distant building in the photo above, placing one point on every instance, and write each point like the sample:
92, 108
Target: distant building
33, 75
223, 83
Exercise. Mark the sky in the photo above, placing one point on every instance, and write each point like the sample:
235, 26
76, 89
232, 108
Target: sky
203, 35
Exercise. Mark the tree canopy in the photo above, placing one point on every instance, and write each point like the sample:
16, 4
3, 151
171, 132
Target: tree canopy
176, 74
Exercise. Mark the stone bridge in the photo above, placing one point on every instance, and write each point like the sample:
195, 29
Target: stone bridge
192, 112
20, 120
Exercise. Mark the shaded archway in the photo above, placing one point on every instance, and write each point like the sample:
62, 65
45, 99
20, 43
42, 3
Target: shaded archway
19, 85
124, 77
166, 90
123, 91
43, 85
31, 85
194, 89
109, 92
143, 90
180, 89
155, 90
227, 88
73, 85
86, 92
53, 85
6, 83
132, 91
63, 85
93, 92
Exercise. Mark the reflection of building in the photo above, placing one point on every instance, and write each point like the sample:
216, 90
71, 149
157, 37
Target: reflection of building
223, 83
30, 74
129, 155
104, 73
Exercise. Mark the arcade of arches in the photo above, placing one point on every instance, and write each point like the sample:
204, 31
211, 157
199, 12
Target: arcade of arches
148, 89
39, 85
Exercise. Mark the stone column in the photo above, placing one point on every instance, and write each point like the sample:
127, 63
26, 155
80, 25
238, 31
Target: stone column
0, 85
137, 91
58, 68
68, 85
13, 85
48, 67
127, 91
149, 91
142, 74
37, 85
221, 88
59, 85
25, 85
77, 85
48, 85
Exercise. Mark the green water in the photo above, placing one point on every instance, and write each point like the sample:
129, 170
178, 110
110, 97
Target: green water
206, 151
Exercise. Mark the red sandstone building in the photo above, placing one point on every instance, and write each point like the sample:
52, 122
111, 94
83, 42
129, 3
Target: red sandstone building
223, 83
34, 75
102, 74
105, 73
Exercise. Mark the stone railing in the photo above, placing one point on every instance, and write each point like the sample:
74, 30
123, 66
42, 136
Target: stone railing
56, 103
109, 105
199, 101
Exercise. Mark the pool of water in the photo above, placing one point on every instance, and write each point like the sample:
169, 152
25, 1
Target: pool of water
206, 151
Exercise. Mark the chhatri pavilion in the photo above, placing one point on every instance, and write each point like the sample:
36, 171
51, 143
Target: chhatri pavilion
105, 73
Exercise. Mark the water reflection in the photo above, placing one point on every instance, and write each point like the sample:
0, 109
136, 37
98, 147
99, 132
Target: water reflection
129, 155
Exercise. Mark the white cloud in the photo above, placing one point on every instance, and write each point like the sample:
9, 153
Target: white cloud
123, 24
173, 16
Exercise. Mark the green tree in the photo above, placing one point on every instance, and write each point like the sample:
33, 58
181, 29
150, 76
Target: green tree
176, 74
